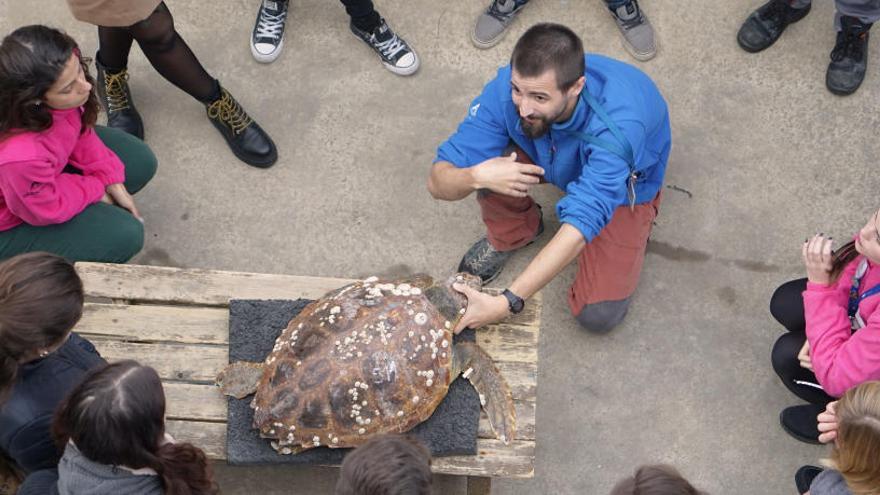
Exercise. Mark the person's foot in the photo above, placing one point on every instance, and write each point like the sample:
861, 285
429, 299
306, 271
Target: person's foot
849, 59
486, 262
267, 38
637, 32
764, 26
801, 423
804, 477
395, 53
116, 97
492, 24
246, 139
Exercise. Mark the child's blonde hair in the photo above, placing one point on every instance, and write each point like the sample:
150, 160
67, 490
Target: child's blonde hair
857, 449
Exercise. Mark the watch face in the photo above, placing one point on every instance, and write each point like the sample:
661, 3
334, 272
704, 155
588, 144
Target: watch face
513, 301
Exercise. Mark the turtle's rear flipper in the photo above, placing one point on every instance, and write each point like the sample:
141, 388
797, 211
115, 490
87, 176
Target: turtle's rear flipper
475, 365
240, 379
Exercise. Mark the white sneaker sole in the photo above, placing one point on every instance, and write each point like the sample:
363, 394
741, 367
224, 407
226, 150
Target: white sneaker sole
266, 58
404, 71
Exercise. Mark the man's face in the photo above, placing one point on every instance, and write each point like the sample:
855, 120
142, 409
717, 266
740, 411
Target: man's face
540, 102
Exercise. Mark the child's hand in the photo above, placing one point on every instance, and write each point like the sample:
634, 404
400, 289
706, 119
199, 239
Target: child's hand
828, 423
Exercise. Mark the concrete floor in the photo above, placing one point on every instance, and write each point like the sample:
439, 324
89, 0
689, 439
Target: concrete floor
766, 154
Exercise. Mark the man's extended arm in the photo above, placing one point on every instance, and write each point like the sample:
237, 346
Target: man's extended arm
503, 175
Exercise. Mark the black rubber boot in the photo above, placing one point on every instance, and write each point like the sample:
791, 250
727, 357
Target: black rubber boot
804, 477
765, 25
245, 138
116, 98
849, 59
801, 423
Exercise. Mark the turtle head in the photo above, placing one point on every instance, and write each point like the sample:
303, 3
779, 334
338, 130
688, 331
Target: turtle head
449, 301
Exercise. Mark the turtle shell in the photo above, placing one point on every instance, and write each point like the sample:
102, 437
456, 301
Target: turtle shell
371, 357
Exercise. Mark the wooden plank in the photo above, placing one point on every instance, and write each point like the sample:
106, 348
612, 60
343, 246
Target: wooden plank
149, 323
506, 342
210, 437
180, 362
479, 485
196, 286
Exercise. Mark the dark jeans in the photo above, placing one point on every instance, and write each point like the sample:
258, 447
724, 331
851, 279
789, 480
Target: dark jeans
101, 232
43, 482
787, 306
358, 8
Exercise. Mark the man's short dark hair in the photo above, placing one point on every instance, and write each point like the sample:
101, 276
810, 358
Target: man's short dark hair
549, 46
386, 465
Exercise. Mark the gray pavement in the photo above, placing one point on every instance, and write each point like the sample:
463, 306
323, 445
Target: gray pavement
765, 154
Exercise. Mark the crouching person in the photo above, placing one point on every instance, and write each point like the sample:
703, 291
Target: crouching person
594, 127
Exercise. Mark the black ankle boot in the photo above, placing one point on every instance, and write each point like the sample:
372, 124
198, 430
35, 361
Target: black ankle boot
766, 24
849, 59
116, 98
246, 139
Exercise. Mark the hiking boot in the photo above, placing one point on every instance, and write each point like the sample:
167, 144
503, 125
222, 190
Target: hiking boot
849, 59
492, 24
765, 25
116, 98
486, 262
801, 423
804, 477
267, 38
245, 138
638, 35
395, 53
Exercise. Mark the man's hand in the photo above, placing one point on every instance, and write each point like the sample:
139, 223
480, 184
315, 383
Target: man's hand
124, 200
482, 309
804, 357
828, 423
817, 257
504, 175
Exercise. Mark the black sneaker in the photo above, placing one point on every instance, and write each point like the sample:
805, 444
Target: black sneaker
765, 25
267, 38
396, 55
849, 59
804, 477
246, 139
486, 262
116, 98
801, 423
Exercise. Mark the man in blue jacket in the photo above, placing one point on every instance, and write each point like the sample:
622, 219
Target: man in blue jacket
594, 127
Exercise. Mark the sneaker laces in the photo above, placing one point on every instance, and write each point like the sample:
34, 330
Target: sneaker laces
227, 110
271, 25
501, 9
632, 20
851, 44
484, 256
389, 47
114, 89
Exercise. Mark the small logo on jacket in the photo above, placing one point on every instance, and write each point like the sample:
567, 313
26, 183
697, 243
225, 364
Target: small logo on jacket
473, 110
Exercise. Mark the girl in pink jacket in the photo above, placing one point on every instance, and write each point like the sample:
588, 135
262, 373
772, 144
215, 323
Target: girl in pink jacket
833, 322
65, 184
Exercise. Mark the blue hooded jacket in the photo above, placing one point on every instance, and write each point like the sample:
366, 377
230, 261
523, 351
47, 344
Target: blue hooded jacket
594, 179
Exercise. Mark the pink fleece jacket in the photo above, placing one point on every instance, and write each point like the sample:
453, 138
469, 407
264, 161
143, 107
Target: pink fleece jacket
33, 187
842, 359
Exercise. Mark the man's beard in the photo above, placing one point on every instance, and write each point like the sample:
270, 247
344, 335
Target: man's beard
535, 129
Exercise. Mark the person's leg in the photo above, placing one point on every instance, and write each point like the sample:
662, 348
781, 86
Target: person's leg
139, 160
42, 482
636, 30
101, 232
609, 268
787, 305
396, 54
491, 24
267, 38
849, 58
114, 44
765, 25
173, 59
798, 421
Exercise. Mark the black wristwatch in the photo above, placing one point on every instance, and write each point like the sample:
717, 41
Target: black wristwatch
514, 302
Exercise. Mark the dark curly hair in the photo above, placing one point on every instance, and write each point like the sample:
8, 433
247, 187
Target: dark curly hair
31, 60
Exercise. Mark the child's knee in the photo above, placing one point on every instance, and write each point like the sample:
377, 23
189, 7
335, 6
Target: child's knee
602, 317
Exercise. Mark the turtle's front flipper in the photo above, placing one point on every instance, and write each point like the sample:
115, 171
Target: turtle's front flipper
480, 370
240, 379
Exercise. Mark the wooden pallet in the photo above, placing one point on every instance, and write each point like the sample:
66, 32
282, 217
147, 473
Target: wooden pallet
176, 320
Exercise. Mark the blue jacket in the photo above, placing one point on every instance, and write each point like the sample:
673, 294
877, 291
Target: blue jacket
594, 179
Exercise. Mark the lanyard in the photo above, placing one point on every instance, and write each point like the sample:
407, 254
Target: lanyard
621, 148
852, 307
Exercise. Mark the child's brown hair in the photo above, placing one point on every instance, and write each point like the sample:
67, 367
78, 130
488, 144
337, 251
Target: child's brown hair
655, 480
386, 465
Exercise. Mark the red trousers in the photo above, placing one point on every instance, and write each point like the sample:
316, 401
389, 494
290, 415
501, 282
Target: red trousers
608, 267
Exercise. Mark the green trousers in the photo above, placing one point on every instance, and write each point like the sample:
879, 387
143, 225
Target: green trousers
101, 232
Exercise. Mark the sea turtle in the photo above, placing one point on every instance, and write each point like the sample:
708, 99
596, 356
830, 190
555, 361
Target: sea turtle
372, 357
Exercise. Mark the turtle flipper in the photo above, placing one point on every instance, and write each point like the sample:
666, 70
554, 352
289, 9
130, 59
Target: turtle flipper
240, 379
495, 397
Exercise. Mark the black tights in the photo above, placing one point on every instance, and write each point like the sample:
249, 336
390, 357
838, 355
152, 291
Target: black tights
362, 13
787, 306
165, 50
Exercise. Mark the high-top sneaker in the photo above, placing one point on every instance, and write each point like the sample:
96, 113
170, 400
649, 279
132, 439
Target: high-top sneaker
491, 25
245, 138
395, 53
637, 32
267, 38
765, 25
849, 59
116, 98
